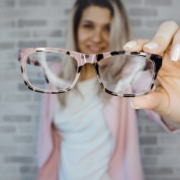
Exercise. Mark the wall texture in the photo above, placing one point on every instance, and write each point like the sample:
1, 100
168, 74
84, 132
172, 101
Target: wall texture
28, 23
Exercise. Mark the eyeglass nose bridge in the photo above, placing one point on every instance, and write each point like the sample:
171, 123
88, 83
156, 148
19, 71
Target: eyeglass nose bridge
87, 58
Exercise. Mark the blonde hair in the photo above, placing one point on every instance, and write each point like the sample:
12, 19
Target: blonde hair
120, 33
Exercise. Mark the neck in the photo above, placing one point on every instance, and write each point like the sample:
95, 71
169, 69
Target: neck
88, 72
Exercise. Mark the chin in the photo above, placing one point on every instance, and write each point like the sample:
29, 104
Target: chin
95, 52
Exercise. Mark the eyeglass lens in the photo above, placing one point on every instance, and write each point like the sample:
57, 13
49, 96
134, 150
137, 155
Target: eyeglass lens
126, 71
49, 70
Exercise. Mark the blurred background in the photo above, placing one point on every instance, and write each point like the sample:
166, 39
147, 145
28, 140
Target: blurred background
31, 23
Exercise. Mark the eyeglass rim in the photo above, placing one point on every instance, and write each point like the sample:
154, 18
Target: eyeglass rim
24, 53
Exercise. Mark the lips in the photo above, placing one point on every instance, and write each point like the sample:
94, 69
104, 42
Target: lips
95, 49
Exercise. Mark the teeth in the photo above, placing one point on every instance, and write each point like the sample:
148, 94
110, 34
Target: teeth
95, 48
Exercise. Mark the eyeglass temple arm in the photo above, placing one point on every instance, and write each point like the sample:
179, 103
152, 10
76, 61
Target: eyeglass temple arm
37, 63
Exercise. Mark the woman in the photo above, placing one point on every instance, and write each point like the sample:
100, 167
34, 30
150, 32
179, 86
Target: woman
103, 145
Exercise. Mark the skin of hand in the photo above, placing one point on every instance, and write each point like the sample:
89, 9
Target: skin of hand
165, 99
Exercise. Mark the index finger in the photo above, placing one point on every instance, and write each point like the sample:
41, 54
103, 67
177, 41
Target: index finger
162, 38
175, 51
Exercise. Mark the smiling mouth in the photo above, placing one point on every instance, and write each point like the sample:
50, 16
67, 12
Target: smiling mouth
94, 49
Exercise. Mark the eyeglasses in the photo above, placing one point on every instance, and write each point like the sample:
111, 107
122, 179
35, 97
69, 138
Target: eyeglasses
54, 70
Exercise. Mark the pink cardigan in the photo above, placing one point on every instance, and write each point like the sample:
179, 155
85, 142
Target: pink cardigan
125, 162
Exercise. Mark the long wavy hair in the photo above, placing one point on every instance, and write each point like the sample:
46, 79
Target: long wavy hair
120, 33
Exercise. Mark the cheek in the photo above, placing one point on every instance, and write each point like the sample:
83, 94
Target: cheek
106, 37
82, 37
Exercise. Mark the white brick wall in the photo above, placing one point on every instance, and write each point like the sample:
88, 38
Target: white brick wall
27, 23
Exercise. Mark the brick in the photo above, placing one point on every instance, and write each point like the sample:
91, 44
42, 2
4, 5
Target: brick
158, 151
7, 149
28, 169
6, 45
150, 178
143, 12
62, 2
159, 2
34, 107
55, 33
38, 97
160, 171
155, 129
19, 34
143, 34
61, 23
29, 44
142, 115
18, 159
7, 3
7, 67
57, 24
28, 129
177, 150
17, 118
10, 76
22, 87
173, 160
15, 13
7, 87
177, 3
26, 149
6, 139
140, 129
6, 171
170, 178
30, 3
18, 97
153, 23
137, 2
149, 161
17, 177
32, 23
148, 140
59, 43
13, 55
67, 11
136, 22
7, 129
7, 24
169, 140
23, 139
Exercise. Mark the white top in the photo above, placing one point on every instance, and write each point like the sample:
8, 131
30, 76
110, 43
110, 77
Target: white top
87, 144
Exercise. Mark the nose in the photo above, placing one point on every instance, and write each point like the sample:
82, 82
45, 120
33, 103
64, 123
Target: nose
87, 58
97, 36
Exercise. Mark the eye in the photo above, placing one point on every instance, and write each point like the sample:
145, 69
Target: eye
107, 28
88, 26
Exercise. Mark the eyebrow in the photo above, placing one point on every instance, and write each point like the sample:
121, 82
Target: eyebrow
89, 21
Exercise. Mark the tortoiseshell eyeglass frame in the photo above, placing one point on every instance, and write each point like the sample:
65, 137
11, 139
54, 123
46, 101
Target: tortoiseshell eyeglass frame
81, 60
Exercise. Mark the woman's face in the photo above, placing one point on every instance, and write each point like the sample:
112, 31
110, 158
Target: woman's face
93, 30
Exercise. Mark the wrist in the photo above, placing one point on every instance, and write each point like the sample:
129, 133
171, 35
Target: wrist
170, 123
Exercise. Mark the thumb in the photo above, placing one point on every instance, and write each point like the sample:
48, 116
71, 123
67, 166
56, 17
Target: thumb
144, 102
155, 101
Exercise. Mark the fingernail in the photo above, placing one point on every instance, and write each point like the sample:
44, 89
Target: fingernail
151, 45
175, 54
134, 106
130, 44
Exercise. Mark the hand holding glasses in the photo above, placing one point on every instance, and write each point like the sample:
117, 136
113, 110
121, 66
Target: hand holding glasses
54, 70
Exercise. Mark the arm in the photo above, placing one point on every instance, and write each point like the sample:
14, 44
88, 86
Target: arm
167, 124
173, 126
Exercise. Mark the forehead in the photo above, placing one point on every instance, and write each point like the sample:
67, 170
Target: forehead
96, 14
